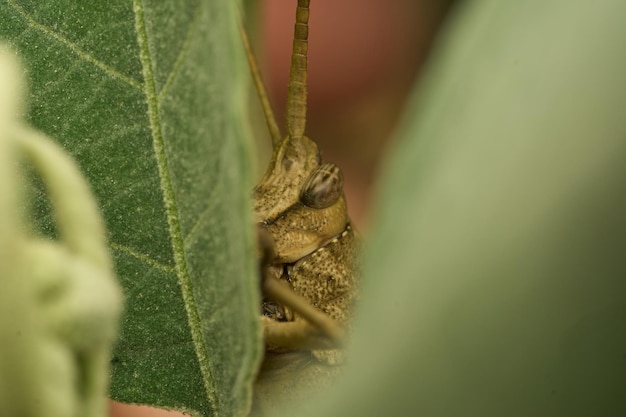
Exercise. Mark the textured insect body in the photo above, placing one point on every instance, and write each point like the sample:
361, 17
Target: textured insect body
301, 204
309, 257
301, 208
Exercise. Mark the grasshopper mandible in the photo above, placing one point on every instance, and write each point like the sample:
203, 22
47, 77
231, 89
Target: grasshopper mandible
310, 264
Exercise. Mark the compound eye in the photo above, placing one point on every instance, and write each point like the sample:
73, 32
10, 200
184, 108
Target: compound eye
323, 188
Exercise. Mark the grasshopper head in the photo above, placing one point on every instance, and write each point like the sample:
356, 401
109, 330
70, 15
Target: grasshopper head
300, 200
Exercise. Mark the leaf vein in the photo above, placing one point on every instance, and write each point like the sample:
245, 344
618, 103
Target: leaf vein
181, 55
142, 257
171, 208
73, 47
207, 210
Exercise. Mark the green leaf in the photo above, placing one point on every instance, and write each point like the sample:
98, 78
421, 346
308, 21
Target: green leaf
148, 97
494, 281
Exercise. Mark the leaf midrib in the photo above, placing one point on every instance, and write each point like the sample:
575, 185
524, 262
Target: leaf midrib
171, 209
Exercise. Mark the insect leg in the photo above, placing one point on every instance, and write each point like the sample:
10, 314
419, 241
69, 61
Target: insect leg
307, 331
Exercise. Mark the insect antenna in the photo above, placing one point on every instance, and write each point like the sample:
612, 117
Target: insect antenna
272, 126
296, 97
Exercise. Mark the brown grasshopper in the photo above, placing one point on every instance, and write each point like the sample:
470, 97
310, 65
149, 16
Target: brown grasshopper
310, 260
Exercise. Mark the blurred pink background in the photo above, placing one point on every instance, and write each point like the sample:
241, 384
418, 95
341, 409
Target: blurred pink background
364, 56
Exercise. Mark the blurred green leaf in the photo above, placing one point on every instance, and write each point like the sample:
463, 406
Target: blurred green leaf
148, 97
494, 281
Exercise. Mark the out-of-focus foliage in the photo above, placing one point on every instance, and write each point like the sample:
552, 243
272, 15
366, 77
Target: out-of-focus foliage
494, 281
59, 300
